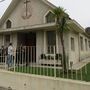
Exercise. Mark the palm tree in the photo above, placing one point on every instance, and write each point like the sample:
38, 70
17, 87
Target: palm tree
61, 18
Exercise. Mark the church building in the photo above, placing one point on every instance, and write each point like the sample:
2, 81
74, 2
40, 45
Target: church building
31, 23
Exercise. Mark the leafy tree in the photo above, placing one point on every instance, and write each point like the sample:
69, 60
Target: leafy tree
61, 17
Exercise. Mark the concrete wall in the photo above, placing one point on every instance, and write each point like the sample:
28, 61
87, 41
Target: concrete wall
18, 81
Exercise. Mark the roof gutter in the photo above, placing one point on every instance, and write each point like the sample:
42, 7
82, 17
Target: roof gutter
29, 28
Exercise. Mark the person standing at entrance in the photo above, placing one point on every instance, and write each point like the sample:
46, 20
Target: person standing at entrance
10, 55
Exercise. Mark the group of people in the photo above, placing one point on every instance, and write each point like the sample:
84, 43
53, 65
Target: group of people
21, 55
9, 52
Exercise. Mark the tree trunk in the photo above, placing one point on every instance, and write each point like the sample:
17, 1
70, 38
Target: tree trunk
64, 54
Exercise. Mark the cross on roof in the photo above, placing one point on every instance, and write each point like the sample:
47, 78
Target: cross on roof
26, 3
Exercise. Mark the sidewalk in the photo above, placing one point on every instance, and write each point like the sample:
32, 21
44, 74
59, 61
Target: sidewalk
3, 88
81, 64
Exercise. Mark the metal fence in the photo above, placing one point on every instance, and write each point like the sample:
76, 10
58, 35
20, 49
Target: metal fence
25, 60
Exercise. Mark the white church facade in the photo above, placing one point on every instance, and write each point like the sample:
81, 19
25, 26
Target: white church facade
28, 23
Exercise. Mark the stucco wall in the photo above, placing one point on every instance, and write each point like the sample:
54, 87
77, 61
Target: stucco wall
74, 55
14, 39
19, 81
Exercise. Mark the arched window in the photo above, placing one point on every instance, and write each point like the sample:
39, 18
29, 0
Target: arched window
50, 17
8, 24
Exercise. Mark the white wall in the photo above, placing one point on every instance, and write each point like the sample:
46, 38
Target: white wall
39, 44
74, 55
14, 39
78, 54
38, 11
18, 81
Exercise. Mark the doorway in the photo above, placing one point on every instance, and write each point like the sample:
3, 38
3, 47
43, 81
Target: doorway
28, 41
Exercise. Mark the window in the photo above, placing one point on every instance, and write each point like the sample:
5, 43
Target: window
51, 41
81, 43
72, 44
89, 43
8, 24
50, 17
86, 44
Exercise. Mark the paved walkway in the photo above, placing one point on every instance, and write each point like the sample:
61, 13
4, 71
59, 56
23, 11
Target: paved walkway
81, 64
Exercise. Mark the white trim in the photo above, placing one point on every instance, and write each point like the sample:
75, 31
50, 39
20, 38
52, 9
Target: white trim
46, 15
49, 4
29, 28
75, 22
71, 44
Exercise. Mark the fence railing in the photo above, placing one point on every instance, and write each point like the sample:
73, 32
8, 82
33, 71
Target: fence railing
49, 64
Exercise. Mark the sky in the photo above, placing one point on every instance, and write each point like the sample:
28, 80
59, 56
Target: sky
77, 9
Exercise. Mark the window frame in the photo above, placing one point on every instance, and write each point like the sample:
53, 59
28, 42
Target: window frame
47, 14
8, 24
72, 40
86, 43
52, 47
81, 43
89, 43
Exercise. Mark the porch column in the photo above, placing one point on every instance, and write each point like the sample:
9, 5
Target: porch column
79, 47
44, 42
57, 49
3, 39
11, 37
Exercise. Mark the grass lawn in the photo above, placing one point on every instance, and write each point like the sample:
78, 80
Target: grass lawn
82, 74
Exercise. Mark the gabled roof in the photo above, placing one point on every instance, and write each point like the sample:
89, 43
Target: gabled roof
13, 4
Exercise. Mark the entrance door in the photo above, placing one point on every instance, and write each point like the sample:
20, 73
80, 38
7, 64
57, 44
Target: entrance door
29, 41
